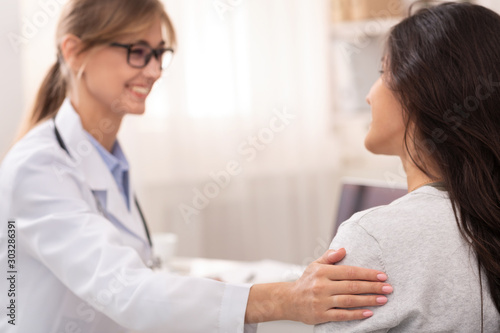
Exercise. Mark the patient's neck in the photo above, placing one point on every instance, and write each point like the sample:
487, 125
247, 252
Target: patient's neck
416, 178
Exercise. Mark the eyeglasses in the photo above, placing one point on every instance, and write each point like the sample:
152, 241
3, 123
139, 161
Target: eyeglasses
139, 54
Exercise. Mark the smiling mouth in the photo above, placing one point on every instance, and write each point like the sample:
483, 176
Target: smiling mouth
140, 92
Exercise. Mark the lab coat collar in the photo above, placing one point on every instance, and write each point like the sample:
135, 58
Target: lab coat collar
100, 180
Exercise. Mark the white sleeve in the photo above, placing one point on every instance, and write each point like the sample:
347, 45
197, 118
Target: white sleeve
57, 226
363, 251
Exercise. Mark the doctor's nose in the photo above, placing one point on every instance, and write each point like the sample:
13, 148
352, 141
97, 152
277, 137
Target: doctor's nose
153, 69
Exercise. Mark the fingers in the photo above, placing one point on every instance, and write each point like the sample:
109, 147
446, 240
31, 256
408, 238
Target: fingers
339, 272
351, 301
345, 315
331, 256
359, 287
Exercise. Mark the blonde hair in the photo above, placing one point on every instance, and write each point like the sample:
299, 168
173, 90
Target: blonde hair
96, 23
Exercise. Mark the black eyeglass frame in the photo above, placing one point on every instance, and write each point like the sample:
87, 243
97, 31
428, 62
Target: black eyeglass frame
157, 53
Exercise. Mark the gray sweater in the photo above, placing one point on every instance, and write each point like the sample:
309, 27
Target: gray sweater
416, 241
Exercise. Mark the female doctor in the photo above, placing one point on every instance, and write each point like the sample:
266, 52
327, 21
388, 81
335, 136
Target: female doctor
77, 243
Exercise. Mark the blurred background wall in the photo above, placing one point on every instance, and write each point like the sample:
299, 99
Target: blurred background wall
11, 85
248, 134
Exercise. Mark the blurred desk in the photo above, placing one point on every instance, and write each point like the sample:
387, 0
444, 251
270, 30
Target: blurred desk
263, 271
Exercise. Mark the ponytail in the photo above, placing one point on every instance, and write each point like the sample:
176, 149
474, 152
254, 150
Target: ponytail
49, 99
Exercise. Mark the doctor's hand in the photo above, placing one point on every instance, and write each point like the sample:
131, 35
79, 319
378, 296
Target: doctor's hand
316, 295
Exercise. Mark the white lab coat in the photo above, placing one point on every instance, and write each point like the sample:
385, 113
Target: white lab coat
76, 270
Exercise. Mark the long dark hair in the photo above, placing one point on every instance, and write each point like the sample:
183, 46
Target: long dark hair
443, 63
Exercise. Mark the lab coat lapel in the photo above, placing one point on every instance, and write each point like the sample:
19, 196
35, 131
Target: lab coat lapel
101, 198
100, 180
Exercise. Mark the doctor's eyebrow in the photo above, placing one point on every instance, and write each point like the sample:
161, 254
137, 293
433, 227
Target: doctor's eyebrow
142, 41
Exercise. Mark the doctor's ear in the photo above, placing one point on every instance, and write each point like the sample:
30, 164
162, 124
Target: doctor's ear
70, 50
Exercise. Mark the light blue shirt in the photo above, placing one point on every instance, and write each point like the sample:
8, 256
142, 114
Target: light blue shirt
117, 164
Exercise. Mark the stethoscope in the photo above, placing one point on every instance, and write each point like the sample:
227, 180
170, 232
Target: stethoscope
155, 262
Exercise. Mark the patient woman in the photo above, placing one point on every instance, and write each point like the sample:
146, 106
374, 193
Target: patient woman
437, 107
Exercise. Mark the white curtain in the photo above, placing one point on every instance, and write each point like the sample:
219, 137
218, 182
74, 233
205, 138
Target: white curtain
248, 92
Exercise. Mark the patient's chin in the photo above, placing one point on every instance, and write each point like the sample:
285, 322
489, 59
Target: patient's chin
379, 148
